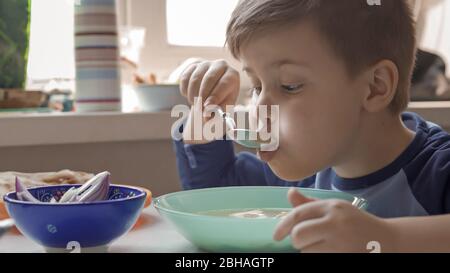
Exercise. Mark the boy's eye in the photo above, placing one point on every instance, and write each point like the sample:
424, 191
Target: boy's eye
292, 88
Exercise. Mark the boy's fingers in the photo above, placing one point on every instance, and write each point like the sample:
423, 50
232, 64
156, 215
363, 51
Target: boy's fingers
296, 198
196, 80
308, 233
211, 78
185, 77
311, 210
227, 86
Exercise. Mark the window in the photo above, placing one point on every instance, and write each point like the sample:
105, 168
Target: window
436, 36
51, 51
198, 22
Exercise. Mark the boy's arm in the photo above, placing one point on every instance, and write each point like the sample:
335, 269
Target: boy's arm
215, 165
338, 226
421, 234
429, 233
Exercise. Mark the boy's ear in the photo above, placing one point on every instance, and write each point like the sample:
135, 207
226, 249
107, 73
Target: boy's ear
383, 81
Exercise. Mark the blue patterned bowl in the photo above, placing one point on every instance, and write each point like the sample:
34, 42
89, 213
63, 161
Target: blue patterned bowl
87, 225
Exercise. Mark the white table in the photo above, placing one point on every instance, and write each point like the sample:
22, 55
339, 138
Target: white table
156, 235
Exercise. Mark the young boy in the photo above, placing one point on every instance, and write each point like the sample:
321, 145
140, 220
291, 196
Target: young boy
340, 72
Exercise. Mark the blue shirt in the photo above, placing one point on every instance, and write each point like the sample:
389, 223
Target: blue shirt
417, 183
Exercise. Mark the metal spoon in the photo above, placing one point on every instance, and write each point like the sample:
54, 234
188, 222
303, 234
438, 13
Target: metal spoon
244, 137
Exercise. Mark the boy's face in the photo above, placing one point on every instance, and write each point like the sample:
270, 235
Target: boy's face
320, 105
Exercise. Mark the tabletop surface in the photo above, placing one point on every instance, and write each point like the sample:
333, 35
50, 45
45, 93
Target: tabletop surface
154, 235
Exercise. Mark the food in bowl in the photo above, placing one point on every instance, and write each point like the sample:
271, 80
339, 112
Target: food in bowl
8, 179
90, 188
96, 189
236, 219
245, 213
92, 225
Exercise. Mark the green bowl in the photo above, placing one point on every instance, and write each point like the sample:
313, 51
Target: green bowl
231, 234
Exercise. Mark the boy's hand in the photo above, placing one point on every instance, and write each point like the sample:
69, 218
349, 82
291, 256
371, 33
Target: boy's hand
332, 226
215, 82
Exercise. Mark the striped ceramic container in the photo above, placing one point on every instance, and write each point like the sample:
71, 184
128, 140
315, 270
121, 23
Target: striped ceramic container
97, 56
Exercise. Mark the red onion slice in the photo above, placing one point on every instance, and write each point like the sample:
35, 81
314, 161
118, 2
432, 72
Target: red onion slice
23, 194
97, 190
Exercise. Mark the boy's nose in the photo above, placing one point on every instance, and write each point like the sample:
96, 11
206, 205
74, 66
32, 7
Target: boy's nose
260, 112
264, 99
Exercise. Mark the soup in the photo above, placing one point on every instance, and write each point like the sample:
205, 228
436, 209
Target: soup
248, 213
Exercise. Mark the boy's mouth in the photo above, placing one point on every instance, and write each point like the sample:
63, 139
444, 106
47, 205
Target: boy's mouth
268, 151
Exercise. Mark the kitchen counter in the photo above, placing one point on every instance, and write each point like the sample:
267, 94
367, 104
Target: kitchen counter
77, 128
155, 235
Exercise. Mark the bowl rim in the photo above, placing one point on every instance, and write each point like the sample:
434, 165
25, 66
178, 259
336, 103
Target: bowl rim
141, 194
358, 202
146, 85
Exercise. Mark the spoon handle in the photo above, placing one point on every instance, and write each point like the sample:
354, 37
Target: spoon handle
229, 121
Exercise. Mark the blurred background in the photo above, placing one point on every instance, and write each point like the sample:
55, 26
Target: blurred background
159, 35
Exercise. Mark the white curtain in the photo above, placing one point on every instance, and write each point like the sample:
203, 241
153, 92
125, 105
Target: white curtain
434, 27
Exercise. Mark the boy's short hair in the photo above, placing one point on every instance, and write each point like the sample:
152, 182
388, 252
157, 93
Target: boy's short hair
360, 33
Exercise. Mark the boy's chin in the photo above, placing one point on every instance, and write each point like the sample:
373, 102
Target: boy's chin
286, 173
